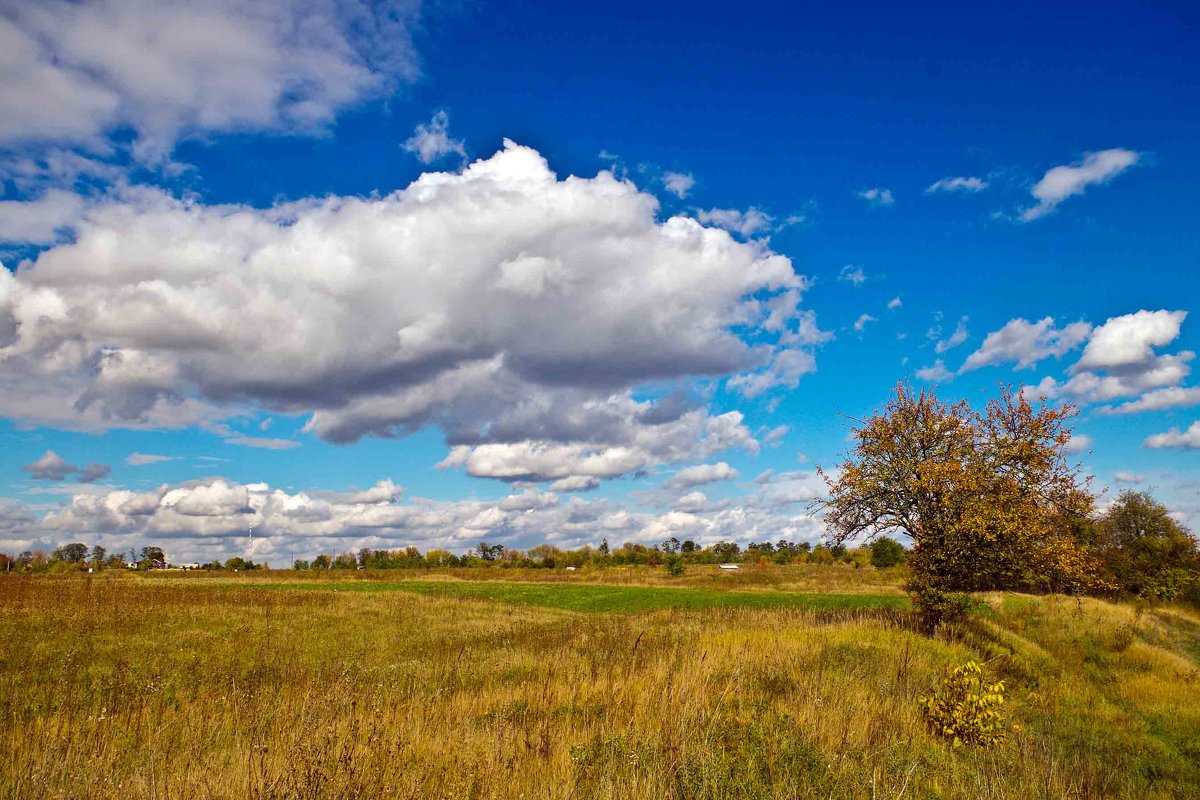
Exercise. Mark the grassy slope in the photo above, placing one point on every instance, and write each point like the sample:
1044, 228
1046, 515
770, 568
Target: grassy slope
164, 688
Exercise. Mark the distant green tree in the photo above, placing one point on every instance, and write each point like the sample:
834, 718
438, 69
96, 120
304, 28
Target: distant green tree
1145, 551
886, 552
490, 552
726, 551
98, 555
74, 553
300, 564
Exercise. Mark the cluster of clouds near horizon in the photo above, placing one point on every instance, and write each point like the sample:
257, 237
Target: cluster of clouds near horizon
559, 332
206, 519
1120, 370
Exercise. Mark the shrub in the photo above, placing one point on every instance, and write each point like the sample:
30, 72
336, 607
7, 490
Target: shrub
966, 709
674, 564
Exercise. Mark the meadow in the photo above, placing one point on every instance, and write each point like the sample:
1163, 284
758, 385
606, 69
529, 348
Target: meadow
780, 682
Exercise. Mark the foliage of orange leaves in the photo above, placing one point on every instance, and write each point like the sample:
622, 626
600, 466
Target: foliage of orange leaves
990, 500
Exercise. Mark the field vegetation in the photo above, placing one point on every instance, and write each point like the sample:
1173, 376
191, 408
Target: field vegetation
287, 685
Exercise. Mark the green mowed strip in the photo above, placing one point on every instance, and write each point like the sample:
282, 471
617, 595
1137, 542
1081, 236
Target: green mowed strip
599, 597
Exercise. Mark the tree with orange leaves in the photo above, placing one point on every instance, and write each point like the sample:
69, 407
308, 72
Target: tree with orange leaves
989, 499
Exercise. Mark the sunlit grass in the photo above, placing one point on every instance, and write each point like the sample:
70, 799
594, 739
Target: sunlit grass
165, 687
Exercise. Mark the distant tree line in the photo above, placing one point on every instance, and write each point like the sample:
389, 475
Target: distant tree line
883, 552
77, 556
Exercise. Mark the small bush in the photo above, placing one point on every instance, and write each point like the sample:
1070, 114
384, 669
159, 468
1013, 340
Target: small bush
674, 564
966, 709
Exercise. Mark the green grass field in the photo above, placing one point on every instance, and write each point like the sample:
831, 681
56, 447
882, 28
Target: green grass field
612, 684
588, 597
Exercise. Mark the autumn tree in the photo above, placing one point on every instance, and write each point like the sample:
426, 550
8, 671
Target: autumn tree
988, 499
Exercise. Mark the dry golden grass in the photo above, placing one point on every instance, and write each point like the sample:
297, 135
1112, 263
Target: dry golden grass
128, 687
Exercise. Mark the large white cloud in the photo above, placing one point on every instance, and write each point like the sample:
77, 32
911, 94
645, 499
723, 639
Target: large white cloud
75, 72
502, 304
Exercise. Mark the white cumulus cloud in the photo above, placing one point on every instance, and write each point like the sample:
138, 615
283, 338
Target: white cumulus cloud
501, 304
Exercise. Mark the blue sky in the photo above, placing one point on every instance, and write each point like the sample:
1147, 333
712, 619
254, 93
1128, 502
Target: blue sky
261, 261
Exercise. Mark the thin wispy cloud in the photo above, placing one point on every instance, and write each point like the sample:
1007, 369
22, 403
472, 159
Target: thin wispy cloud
749, 223
431, 140
861, 323
852, 275
143, 459
679, 184
263, 443
969, 185
1062, 182
878, 196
